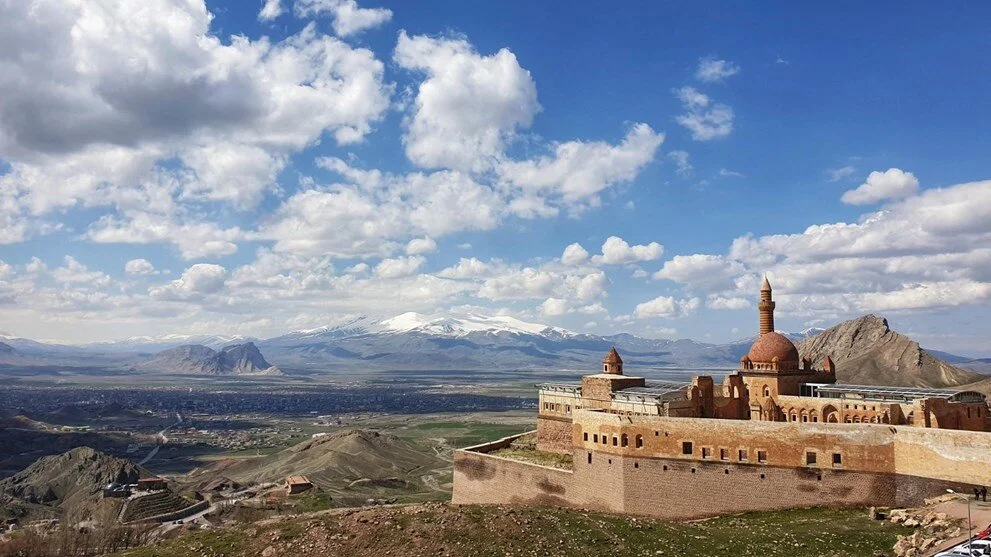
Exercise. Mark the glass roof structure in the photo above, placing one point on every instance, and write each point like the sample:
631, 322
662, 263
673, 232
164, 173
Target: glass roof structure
887, 394
654, 390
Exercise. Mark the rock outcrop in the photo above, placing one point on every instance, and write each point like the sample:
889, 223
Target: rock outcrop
237, 359
55, 483
867, 352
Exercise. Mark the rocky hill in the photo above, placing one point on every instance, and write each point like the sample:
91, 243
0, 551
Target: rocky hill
54, 484
867, 352
237, 359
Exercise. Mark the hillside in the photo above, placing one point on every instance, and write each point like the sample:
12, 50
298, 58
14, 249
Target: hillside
56, 483
336, 463
867, 352
438, 529
237, 359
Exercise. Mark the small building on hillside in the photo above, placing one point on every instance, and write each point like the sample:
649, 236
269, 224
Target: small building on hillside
151, 484
297, 484
114, 490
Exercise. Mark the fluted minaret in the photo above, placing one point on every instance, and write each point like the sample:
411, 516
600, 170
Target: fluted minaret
766, 307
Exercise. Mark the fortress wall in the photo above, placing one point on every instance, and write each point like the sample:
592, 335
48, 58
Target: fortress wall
959, 456
482, 479
554, 434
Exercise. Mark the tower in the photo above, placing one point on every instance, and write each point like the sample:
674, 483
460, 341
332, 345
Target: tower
612, 363
766, 308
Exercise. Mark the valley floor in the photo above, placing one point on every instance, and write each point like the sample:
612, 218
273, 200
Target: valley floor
442, 529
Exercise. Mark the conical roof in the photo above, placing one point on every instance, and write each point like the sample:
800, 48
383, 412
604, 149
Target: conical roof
765, 285
612, 357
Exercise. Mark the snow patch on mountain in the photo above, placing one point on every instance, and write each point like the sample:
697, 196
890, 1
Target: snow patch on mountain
450, 325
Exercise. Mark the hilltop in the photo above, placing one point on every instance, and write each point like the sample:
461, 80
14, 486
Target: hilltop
349, 463
55, 484
867, 352
237, 359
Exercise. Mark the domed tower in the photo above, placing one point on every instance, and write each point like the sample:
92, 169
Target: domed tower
612, 363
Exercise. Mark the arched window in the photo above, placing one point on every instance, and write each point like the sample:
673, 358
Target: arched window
767, 391
625, 440
639, 440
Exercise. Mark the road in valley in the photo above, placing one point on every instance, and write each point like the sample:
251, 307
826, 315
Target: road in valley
162, 439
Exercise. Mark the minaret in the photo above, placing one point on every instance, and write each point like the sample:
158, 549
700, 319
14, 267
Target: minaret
766, 308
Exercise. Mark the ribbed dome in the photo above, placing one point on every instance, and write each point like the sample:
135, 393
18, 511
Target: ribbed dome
771, 345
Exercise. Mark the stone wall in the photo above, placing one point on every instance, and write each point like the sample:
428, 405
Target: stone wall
483, 479
554, 434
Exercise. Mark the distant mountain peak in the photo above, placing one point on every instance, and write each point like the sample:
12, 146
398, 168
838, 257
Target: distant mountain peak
458, 325
236, 359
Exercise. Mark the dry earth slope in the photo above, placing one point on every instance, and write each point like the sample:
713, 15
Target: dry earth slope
867, 352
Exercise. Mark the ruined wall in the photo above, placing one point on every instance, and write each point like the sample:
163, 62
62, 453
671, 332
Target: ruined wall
554, 434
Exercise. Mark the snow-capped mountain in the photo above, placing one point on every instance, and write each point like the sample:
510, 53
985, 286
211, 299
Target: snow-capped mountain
449, 325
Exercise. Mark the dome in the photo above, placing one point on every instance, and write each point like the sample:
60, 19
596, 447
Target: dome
769, 346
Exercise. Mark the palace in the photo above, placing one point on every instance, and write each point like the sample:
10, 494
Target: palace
778, 432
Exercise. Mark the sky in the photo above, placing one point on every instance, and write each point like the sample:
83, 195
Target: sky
240, 167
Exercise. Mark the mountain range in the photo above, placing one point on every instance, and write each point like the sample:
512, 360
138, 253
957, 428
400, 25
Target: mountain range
865, 350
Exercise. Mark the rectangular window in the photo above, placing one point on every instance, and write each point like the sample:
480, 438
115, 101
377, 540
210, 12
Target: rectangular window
615, 441
837, 459
585, 435
810, 457
742, 454
723, 454
595, 438
761, 456
686, 447
706, 452
567, 409
590, 458
605, 440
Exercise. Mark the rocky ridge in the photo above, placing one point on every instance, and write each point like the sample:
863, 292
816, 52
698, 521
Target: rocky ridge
237, 359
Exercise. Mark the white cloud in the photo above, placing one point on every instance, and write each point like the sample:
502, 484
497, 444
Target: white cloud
554, 306
465, 269
134, 91
837, 174
616, 251
348, 18
893, 183
574, 254
704, 118
421, 246
357, 269
700, 271
713, 70
465, 245
399, 267
578, 171
270, 10
719, 302
196, 281
666, 307
139, 267
468, 107
195, 240
681, 160
730, 173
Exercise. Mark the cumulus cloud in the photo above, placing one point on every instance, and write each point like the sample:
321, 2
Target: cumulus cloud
666, 307
421, 246
554, 306
705, 118
466, 268
616, 251
399, 267
348, 18
893, 183
580, 170
139, 267
720, 302
468, 107
270, 10
196, 281
133, 91
701, 271
713, 70
574, 254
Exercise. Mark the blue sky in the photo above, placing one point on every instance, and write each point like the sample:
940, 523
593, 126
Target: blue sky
245, 168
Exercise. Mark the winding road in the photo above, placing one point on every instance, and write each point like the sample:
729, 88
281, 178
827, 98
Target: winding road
162, 440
